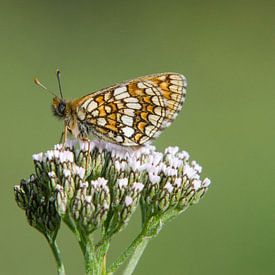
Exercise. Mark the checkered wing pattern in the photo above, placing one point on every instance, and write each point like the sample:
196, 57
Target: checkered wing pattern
135, 112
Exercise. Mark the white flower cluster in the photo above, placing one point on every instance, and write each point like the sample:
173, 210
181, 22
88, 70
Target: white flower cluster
173, 163
101, 184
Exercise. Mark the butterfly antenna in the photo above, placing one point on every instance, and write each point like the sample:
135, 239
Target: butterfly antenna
59, 82
38, 83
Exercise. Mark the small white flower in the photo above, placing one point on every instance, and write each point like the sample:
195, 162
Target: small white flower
136, 154
66, 173
178, 182
171, 150
189, 171
138, 186
62, 156
162, 166
83, 184
103, 145
174, 161
117, 152
169, 158
128, 201
88, 199
66, 156
196, 166
102, 182
56, 154
196, 184
61, 199
134, 164
58, 147
70, 156
70, 144
49, 154
123, 165
150, 168
38, 157
147, 149
80, 171
122, 183
84, 145
206, 182
142, 167
52, 174
117, 165
178, 163
154, 178
183, 155
170, 172
99, 183
169, 187
155, 158
117, 155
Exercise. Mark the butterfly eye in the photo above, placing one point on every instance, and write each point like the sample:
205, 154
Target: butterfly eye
61, 108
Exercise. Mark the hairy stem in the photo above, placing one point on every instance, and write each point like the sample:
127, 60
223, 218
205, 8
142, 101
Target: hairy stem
136, 257
57, 255
137, 244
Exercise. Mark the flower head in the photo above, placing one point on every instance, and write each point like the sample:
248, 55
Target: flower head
99, 185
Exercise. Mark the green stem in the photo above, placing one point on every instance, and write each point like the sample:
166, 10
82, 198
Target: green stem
151, 228
136, 257
57, 255
95, 258
102, 256
102, 249
88, 258
138, 244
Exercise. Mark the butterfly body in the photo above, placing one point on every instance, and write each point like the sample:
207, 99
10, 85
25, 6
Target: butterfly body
128, 114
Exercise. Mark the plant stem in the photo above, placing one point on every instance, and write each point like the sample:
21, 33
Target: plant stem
57, 255
102, 248
138, 244
95, 257
90, 258
103, 268
136, 257
151, 228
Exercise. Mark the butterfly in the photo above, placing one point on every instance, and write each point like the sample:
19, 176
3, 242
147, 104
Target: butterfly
131, 113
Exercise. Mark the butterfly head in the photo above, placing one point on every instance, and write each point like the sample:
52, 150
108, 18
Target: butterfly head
59, 107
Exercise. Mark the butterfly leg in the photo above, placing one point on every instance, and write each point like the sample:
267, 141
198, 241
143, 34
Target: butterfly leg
88, 159
86, 139
63, 138
83, 136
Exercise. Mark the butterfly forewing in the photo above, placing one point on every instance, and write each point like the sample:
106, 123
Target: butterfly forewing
135, 112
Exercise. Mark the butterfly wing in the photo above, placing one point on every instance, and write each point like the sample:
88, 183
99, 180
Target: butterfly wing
135, 112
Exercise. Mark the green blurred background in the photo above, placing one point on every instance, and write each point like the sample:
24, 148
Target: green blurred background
226, 49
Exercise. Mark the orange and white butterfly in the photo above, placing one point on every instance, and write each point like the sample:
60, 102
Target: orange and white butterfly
130, 113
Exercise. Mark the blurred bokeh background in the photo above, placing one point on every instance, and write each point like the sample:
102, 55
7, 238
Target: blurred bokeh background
226, 49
